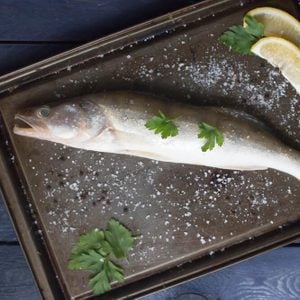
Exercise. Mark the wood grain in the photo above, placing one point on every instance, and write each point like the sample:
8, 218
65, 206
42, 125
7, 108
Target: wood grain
16, 281
15, 56
76, 20
275, 275
272, 276
7, 233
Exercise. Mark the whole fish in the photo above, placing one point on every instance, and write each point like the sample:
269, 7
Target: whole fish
115, 122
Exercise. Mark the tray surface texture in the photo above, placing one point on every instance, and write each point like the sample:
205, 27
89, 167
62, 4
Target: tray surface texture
181, 212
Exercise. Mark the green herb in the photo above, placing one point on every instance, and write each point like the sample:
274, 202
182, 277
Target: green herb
211, 134
94, 251
100, 281
119, 238
163, 125
240, 39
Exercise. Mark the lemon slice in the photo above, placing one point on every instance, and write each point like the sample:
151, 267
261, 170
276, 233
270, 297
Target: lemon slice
277, 23
282, 54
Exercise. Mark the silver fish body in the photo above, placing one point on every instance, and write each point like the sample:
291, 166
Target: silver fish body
114, 122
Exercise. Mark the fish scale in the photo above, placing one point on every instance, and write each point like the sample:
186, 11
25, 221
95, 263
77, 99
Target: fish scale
114, 122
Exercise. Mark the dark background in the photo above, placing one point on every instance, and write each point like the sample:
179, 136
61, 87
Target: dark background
32, 30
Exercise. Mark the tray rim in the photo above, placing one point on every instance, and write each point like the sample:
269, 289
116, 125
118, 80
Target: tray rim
42, 270
31, 245
54, 64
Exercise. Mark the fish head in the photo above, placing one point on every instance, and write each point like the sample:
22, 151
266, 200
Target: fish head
66, 123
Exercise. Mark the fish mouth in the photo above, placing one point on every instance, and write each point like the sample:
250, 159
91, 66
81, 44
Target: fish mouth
24, 126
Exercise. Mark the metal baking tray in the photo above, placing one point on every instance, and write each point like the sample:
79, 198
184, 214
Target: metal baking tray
192, 220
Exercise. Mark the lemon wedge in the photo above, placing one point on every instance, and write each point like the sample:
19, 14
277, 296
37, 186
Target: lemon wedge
282, 54
277, 23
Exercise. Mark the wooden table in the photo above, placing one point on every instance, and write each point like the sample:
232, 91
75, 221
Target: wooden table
33, 30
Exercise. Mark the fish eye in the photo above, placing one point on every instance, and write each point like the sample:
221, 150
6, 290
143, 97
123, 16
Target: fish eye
85, 106
43, 112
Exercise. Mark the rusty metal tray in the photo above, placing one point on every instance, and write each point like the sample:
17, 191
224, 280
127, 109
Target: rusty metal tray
191, 220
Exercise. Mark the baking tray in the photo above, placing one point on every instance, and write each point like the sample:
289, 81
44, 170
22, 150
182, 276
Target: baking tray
192, 220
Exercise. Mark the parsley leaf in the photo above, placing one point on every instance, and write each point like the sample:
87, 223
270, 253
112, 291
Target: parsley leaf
113, 271
90, 260
163, 125
240, 38
93, 239
100, 282
253, 27
211, 134
119, 237
94, 250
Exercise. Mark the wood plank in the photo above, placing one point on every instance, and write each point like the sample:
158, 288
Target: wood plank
7, 232
15, 56
76, 20
16, 281
82, 20
272, 276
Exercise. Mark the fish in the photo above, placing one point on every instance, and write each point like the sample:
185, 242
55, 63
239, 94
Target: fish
114, 122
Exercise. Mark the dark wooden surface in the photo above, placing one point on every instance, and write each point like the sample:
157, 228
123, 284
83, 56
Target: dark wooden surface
14, 56
35, 29
16, 281
271, 276
7, 233
32, 30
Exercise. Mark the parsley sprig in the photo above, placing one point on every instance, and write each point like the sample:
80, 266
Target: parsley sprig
240, 39
163, 125
212, 136
95, 250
